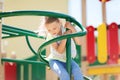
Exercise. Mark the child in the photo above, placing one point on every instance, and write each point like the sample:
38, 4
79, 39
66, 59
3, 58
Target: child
57, 57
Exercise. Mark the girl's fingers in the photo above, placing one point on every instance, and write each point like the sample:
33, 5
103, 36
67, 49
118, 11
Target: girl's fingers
68, 32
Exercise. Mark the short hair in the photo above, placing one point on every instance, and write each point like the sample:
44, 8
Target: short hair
50, 19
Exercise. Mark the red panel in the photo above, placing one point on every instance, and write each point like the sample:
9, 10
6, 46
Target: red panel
10, 71
113, 44
90, 44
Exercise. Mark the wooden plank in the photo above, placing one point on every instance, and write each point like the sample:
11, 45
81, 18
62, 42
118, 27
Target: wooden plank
102, 43
90, 44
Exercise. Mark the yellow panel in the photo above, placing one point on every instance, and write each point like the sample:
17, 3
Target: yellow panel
102, 43
103, 70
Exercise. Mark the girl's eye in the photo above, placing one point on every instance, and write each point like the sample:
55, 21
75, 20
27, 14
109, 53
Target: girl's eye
48, 30
54, 28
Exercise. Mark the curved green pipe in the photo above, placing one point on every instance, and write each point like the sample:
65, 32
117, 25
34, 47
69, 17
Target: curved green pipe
52, 14
58, 39
29, 45
19, 31
40, 13
47, 13
32, 12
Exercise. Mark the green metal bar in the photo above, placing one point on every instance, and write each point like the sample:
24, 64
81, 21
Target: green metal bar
32, 13
15, 28
20, 31
78, 57
38, 72
29, 45
21, 61
34, 57
57, 39
44, 13
68, 55
9, 33
11, 36
18, 71
26, 71
40, 13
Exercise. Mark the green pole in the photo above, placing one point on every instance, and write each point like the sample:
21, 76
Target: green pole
68, 55
78, 57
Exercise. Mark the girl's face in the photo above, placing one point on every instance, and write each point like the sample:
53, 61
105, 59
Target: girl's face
54, 28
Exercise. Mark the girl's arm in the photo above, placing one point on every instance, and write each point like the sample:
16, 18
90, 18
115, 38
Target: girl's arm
70, 27
60, 48
76, 39
62, 45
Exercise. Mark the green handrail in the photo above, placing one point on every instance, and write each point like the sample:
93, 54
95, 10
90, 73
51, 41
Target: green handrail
21, 61
47, 13
40, 13
18, 32
29, 45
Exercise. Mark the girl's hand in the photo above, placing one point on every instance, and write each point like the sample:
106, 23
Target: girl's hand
68, 32
69, 25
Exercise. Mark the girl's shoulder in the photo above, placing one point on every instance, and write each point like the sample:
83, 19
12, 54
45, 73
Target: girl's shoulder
49, 37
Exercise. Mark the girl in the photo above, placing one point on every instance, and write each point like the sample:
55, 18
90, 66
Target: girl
57, 57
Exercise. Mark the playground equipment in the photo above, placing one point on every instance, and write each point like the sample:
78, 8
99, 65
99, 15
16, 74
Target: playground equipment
103, 50
106, 50
40, 54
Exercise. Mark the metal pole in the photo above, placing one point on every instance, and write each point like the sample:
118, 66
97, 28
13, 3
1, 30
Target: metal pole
104, 12
68, 55
84, 18
83, 12
83, 47
1, 7
1, 66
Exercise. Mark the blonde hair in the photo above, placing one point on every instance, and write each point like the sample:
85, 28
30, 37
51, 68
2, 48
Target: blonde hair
41, 29
44, 21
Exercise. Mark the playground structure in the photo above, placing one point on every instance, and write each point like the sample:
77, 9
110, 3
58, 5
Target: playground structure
107, 40
11, 32
103, 49
107, 63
